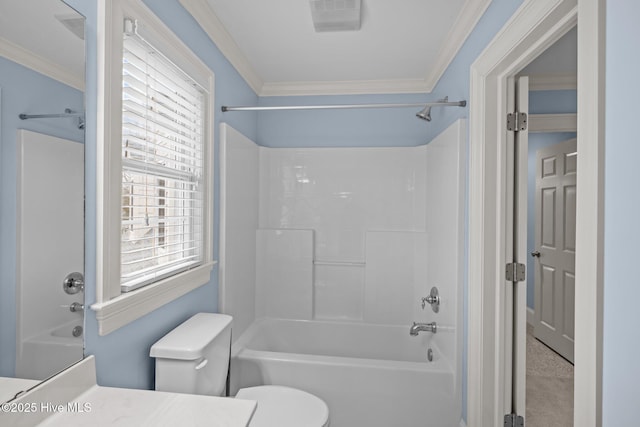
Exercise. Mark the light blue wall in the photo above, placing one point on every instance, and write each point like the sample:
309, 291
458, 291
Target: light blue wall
553, 101
342, 128
23, 91
122, 357
621, 370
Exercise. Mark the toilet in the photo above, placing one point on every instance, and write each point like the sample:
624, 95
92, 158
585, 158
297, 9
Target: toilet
194, 358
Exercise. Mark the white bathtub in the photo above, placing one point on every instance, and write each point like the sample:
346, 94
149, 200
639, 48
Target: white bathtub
369, 375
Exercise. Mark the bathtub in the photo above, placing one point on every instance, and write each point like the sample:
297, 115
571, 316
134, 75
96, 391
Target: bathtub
50, 352
369, 375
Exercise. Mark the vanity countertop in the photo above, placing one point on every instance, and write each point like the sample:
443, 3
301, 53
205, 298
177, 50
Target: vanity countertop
108, 406
9, 387
72, 398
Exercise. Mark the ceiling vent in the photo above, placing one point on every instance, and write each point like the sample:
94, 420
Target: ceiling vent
335, 15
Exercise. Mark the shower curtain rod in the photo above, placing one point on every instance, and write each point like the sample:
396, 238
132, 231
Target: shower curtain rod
345, 106
67, 113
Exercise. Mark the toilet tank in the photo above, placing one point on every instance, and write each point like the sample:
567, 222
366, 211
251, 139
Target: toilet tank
194, 357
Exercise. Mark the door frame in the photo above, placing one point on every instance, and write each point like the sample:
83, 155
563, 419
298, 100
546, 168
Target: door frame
535, 26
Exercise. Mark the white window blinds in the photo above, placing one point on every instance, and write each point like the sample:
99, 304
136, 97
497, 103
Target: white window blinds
163, 110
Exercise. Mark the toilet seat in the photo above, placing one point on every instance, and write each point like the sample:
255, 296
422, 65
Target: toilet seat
280, 406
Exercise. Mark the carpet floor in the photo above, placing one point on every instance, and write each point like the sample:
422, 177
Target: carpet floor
549, 386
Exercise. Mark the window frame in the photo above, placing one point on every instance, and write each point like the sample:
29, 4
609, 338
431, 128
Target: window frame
113, 307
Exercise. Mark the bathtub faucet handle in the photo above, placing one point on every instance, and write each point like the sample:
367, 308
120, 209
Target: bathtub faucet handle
73, 283
433, 299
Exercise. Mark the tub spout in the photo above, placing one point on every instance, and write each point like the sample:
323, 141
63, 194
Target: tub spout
418, 327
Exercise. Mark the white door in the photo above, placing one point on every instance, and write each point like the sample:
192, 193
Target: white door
515, 302
555, 230
518, 203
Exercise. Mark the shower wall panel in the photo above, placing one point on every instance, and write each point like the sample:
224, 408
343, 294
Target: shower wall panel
284, 274
446, 179
338, 291
342, 194
396, 276
239, 174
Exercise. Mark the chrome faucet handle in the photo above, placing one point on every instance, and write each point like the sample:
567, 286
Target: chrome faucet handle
433, 299
74, 307
73, 283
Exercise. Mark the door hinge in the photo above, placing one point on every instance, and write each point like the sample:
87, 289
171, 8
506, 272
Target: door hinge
517, 121
516, 272
513, 420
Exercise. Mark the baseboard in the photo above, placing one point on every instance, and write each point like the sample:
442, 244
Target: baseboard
530, 316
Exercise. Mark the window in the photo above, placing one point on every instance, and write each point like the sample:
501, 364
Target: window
154, 167
162, 144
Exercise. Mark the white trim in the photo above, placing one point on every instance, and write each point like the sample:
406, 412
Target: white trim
41, 65
531, 316
471, 13
553, 82
210, 23
113, 309
224, 129
107, 174
590, 214
466, 21
553, 122
352, 87
534, 26
129, 306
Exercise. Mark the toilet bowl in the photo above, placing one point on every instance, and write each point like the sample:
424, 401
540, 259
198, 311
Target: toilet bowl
194, 358
285, 406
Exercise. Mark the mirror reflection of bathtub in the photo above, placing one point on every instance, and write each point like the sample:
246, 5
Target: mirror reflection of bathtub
51, 351
41, 72
50, 246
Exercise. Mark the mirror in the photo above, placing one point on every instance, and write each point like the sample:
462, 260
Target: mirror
42, 63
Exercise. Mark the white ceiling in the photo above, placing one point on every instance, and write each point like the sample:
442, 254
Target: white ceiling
403, 46
31, 35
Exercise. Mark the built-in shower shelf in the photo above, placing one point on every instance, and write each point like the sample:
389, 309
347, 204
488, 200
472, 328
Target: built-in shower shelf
340, 263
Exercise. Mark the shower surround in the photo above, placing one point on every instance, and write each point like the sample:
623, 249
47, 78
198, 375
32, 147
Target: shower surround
345, 236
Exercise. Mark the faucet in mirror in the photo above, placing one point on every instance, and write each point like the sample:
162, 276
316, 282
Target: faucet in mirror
42, 63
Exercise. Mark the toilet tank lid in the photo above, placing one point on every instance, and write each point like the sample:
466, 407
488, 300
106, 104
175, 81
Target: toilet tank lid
188, 340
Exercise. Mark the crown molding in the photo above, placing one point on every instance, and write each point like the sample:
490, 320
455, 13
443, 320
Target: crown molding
469, 16
41, 65
210, 23
347, 87
566, 81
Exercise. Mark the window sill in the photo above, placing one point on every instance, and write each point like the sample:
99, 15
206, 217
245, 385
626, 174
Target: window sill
127, 307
